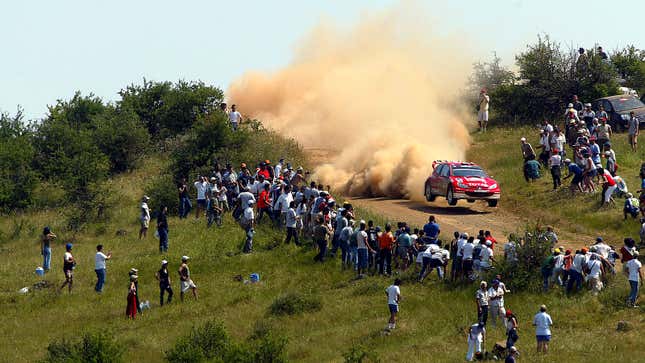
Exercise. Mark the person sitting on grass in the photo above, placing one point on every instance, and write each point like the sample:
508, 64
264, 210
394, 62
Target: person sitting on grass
531, 170
393, 293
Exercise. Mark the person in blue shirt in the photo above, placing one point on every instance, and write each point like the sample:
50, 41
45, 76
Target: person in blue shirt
595, 150
576, 172
431, 230
531, 170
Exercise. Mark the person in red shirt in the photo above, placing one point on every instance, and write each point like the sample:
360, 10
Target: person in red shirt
264, 202
626, 250
385, 244
489, 237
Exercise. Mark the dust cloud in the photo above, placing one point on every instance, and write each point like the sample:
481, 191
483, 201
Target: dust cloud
382, 95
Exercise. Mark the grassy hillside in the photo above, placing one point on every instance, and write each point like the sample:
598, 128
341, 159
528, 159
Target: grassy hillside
432, 322
499, 152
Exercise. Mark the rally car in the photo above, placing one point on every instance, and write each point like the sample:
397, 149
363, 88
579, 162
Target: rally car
456, 180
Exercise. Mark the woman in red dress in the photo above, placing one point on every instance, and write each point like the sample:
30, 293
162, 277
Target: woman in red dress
131, 309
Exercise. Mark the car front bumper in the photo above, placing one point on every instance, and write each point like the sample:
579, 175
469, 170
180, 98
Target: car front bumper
477, 195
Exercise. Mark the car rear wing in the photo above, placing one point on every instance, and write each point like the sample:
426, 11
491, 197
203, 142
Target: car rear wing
434, 163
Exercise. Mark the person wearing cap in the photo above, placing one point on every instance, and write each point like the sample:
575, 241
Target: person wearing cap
588, 115
634, 271
234, 117
475, 339
558, 266
512, 354
134, 271
264, 202
403, 243
69, 263
575, 171
482, 299
145, 217
486, 255
245, 197
482, 114
164, 282
633, 126
496, 303
132, 306
542, 323
45, 247
631, 206
610, 163
511, 329
100, 268
527, 150
185, 282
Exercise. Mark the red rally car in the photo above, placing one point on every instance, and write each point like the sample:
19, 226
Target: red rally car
461, 180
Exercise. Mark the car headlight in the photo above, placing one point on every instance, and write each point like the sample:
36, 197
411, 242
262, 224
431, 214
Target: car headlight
462, 185
624, 117
492, 186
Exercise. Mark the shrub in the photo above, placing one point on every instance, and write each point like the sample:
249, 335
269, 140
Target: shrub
266, 346
162, 190
360, 354
121, 137
295, 303
209, 342
92, 348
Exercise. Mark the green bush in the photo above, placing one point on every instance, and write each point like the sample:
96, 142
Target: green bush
92, 348
266, 346
122, 138
162, 190
531, 249
295, 303
360, 354
209, 342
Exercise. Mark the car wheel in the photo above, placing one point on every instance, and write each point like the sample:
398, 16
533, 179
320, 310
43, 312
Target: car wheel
492, 203
450, 197
429, 196
471, 201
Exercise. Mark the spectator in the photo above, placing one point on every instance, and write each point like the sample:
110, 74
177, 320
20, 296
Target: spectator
527, 150
291, 223
184, 199
164, 282
633, 126
547, 269
596, 271
372, 241
511, 329
608, 187
201, 186
145, 217
542, 322
132, 305
602, 54
576, 104
482, 299
264, 202
603, 131
588, 115
404, 243
496, 299
234, 117
393, 293
185, 282
531, 170
634, 271
162, 229
631, 206
69, 263
431, 229
610, 165
476, 336
45, 247
512, 354
575, 171
321, 236
247, 222
100, 268
386, 244
555, 164
482, 115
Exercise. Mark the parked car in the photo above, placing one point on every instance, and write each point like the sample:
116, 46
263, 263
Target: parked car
618, 109
456, 180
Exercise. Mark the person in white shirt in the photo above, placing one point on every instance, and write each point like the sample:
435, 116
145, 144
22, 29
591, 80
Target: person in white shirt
202, 186
486, 256
542, 323
467, 256
234, 117
476, 336
602, 248
247, 221
634, 270
510, 252
555, 162
245, 199
595, 273
558, 267
393, 293
459, 257
291, 222
496, 297
363, 249
283, 202
277, 169
99, 267
482, 299
145, 217
482, 115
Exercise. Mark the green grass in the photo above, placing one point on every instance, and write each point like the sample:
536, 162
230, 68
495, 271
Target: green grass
498, 151
433, 316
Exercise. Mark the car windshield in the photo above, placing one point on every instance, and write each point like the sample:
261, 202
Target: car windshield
466, 171
626, 104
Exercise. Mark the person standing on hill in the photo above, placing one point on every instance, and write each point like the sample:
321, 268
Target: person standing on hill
386, 244
45, 247
482, 115
292, 222
132, 304
555, 162
363, 249
184, 199
185, 282
100, 268
511, 329
247, 222
482, 298
393, 293
234, 117
69, 263
145, 217
164, 282
432, 230
162, 229
634, 270
542, 322
476, 336
201, 186
321, 235
527, 150
633, 126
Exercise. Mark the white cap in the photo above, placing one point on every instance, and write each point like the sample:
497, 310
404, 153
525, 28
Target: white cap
163, 262
567, 161
570, 105
523, 139
185, 258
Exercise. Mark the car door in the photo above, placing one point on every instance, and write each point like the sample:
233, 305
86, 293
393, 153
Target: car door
435, 180
445, 179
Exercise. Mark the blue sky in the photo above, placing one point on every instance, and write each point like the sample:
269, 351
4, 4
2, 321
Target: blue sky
52, 48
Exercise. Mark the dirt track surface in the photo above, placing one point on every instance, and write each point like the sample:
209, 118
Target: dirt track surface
465, 217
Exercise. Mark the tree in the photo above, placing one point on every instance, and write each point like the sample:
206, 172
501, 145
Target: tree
630, 64
490, 75
168, 109
121, 137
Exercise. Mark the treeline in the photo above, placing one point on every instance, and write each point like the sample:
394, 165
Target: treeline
548, 76
66, 158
